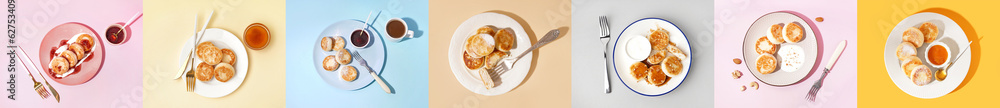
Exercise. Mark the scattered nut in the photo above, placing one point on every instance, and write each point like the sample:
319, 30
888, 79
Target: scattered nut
819, 19
737, 74
743, 88
737, 61
754, 85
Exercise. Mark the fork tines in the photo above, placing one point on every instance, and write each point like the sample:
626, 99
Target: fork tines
812, 92
499, 69
604, 27
357, 57
190, 81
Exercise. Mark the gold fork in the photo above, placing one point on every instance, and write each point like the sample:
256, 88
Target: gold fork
189, 77
37, 86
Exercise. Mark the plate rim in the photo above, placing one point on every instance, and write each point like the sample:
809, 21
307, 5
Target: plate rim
614, 64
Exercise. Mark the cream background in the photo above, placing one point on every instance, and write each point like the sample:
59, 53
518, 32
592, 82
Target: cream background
171, 22
549, 83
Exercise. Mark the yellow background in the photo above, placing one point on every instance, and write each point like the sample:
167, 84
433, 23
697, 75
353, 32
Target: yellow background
876, 18
547, 86
170, 22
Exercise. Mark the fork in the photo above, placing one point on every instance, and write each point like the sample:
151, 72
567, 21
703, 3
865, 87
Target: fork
39, 87
829, 64
189, 61
508, 63
378, 79
29, 62
605, 37
189, 80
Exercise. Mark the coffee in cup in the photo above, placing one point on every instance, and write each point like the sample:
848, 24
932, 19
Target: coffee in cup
397, 29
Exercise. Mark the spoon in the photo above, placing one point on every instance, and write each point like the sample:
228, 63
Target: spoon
130, 21
943, 73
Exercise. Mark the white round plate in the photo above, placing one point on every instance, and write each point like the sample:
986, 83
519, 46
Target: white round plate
780, 77
622, 61
224, 40
374, 54
950, 34
470, 78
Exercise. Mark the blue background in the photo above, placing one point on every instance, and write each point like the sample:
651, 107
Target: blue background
405, 68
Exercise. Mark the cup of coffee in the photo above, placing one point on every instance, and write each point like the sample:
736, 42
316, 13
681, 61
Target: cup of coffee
397, 29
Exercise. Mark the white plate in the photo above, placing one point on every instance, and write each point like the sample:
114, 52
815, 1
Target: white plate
470, 78
809, 47
224, 40
622, 61
374, 54
950, 34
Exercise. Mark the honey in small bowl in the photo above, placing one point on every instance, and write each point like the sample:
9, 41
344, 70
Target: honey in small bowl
256, 36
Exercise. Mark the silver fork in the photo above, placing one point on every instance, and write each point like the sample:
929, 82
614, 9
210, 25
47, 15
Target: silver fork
829, 65
356, 56
508, 63
605, 37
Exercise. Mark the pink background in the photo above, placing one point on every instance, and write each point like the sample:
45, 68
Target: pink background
119, 84
734, 17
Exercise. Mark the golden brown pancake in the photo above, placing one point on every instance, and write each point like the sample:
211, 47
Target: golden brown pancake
488, 29
479, 45
78, 50
338, 43
909, 63
228, 56
655, 75
326, 43
774, 34
224, 72
922, 75
905, 50
764, 46
930, 31
505, 39
793, 32
472, 62
349, 73
766, 63
673, 66
914, 36
209, 53
329, 63
494, 58
59, 65
343, 57
656, 57
86, 41
639, 70
204, 72
659, 38
71, 57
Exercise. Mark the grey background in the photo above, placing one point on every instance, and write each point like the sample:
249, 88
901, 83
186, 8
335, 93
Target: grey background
693, 17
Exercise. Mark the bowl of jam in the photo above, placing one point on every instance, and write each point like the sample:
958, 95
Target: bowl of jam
360, 38
117, 34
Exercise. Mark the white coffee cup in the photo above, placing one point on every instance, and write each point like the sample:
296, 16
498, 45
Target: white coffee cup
406, 33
